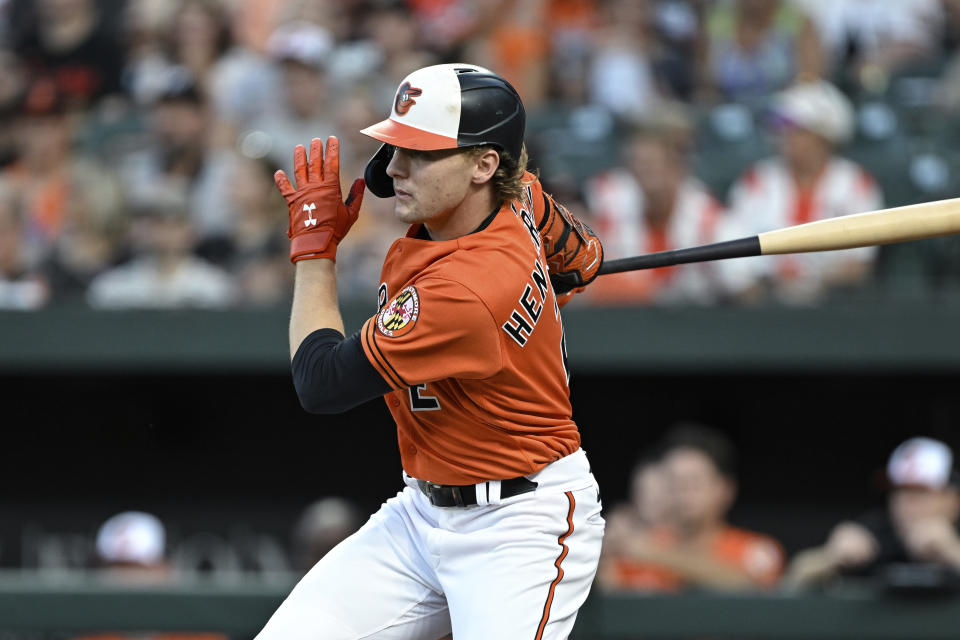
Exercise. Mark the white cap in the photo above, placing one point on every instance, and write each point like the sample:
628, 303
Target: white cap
921, 462
327, 514
302, 41
818, 107
132, 537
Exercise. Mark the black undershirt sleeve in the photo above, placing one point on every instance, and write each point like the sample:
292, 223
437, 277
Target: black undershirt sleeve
332, 374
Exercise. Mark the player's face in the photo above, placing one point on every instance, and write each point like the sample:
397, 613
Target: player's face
430, 185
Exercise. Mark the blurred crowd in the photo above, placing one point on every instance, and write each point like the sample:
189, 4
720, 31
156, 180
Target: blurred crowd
673, 534
138, 138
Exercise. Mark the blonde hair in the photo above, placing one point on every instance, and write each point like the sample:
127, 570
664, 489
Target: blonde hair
507, 180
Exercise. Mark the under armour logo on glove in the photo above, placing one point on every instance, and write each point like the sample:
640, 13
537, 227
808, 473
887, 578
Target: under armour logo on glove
310, 219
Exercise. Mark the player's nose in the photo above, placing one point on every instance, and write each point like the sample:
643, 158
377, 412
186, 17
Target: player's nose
397, 167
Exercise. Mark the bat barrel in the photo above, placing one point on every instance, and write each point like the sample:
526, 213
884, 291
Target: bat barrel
884, 226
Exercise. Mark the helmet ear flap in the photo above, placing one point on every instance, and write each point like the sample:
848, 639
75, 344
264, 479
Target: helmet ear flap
375, 175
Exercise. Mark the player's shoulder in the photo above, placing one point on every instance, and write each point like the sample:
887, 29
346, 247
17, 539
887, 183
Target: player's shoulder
493, 262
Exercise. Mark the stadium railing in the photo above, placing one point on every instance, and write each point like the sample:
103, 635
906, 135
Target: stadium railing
32, 603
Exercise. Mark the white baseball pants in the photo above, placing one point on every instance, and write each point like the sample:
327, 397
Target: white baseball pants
519, 569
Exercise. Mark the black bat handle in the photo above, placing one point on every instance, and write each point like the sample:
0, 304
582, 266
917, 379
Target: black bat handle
740, 248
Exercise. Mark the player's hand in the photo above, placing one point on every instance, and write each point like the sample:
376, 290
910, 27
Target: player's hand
574, 252
319, 217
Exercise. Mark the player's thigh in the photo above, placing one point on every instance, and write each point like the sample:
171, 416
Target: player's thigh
533, 575
375, 585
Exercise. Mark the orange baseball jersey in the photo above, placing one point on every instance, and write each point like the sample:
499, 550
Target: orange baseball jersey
471, 340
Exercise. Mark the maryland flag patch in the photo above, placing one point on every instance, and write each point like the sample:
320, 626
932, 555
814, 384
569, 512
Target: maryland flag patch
399, 316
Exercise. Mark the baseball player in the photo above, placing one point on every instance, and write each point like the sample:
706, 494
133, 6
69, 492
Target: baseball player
497, 533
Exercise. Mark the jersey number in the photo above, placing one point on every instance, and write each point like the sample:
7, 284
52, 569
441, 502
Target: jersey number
420, 402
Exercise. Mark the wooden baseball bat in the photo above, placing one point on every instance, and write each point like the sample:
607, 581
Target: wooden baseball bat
884, 226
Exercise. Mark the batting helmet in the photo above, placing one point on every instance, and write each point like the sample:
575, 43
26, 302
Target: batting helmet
446, 106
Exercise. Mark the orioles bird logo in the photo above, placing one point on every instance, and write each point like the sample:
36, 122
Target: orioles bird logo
405, 98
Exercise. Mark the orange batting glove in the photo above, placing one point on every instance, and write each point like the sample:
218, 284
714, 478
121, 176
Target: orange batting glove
574, 252
319, 217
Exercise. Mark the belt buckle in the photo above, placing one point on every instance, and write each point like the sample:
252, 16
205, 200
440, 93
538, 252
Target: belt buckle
429, 488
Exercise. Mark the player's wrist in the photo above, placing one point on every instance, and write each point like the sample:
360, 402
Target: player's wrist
318, 268
313, 246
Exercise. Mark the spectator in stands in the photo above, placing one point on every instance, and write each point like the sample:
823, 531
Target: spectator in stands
648, 513
40, 175
755, 47
448, 25
47, 178
300, 50
621, 74
948, 90
697, 548
321, 527
90, 238
164, 273
676, 25
258, 258
515, 40
21, 285
131, 547
653, 203
75, 43
866, 40
133, 540
807, 181
13, 80
392, 45
165, 37
921, 524
180, 154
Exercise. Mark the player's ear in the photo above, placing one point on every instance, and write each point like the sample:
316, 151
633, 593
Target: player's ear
485, 165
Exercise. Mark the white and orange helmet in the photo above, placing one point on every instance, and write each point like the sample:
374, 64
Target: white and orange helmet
446, 106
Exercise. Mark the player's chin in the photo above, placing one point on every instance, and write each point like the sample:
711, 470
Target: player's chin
404, 211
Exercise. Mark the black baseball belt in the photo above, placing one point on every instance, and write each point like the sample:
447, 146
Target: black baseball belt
452, 495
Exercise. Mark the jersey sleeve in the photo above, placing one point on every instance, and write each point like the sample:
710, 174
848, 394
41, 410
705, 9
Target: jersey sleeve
432, 330
549, 217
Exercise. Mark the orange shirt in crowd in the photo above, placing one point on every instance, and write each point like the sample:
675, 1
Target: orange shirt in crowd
759, 556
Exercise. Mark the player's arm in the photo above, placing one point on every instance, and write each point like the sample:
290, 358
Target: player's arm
330, 374
574, 252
